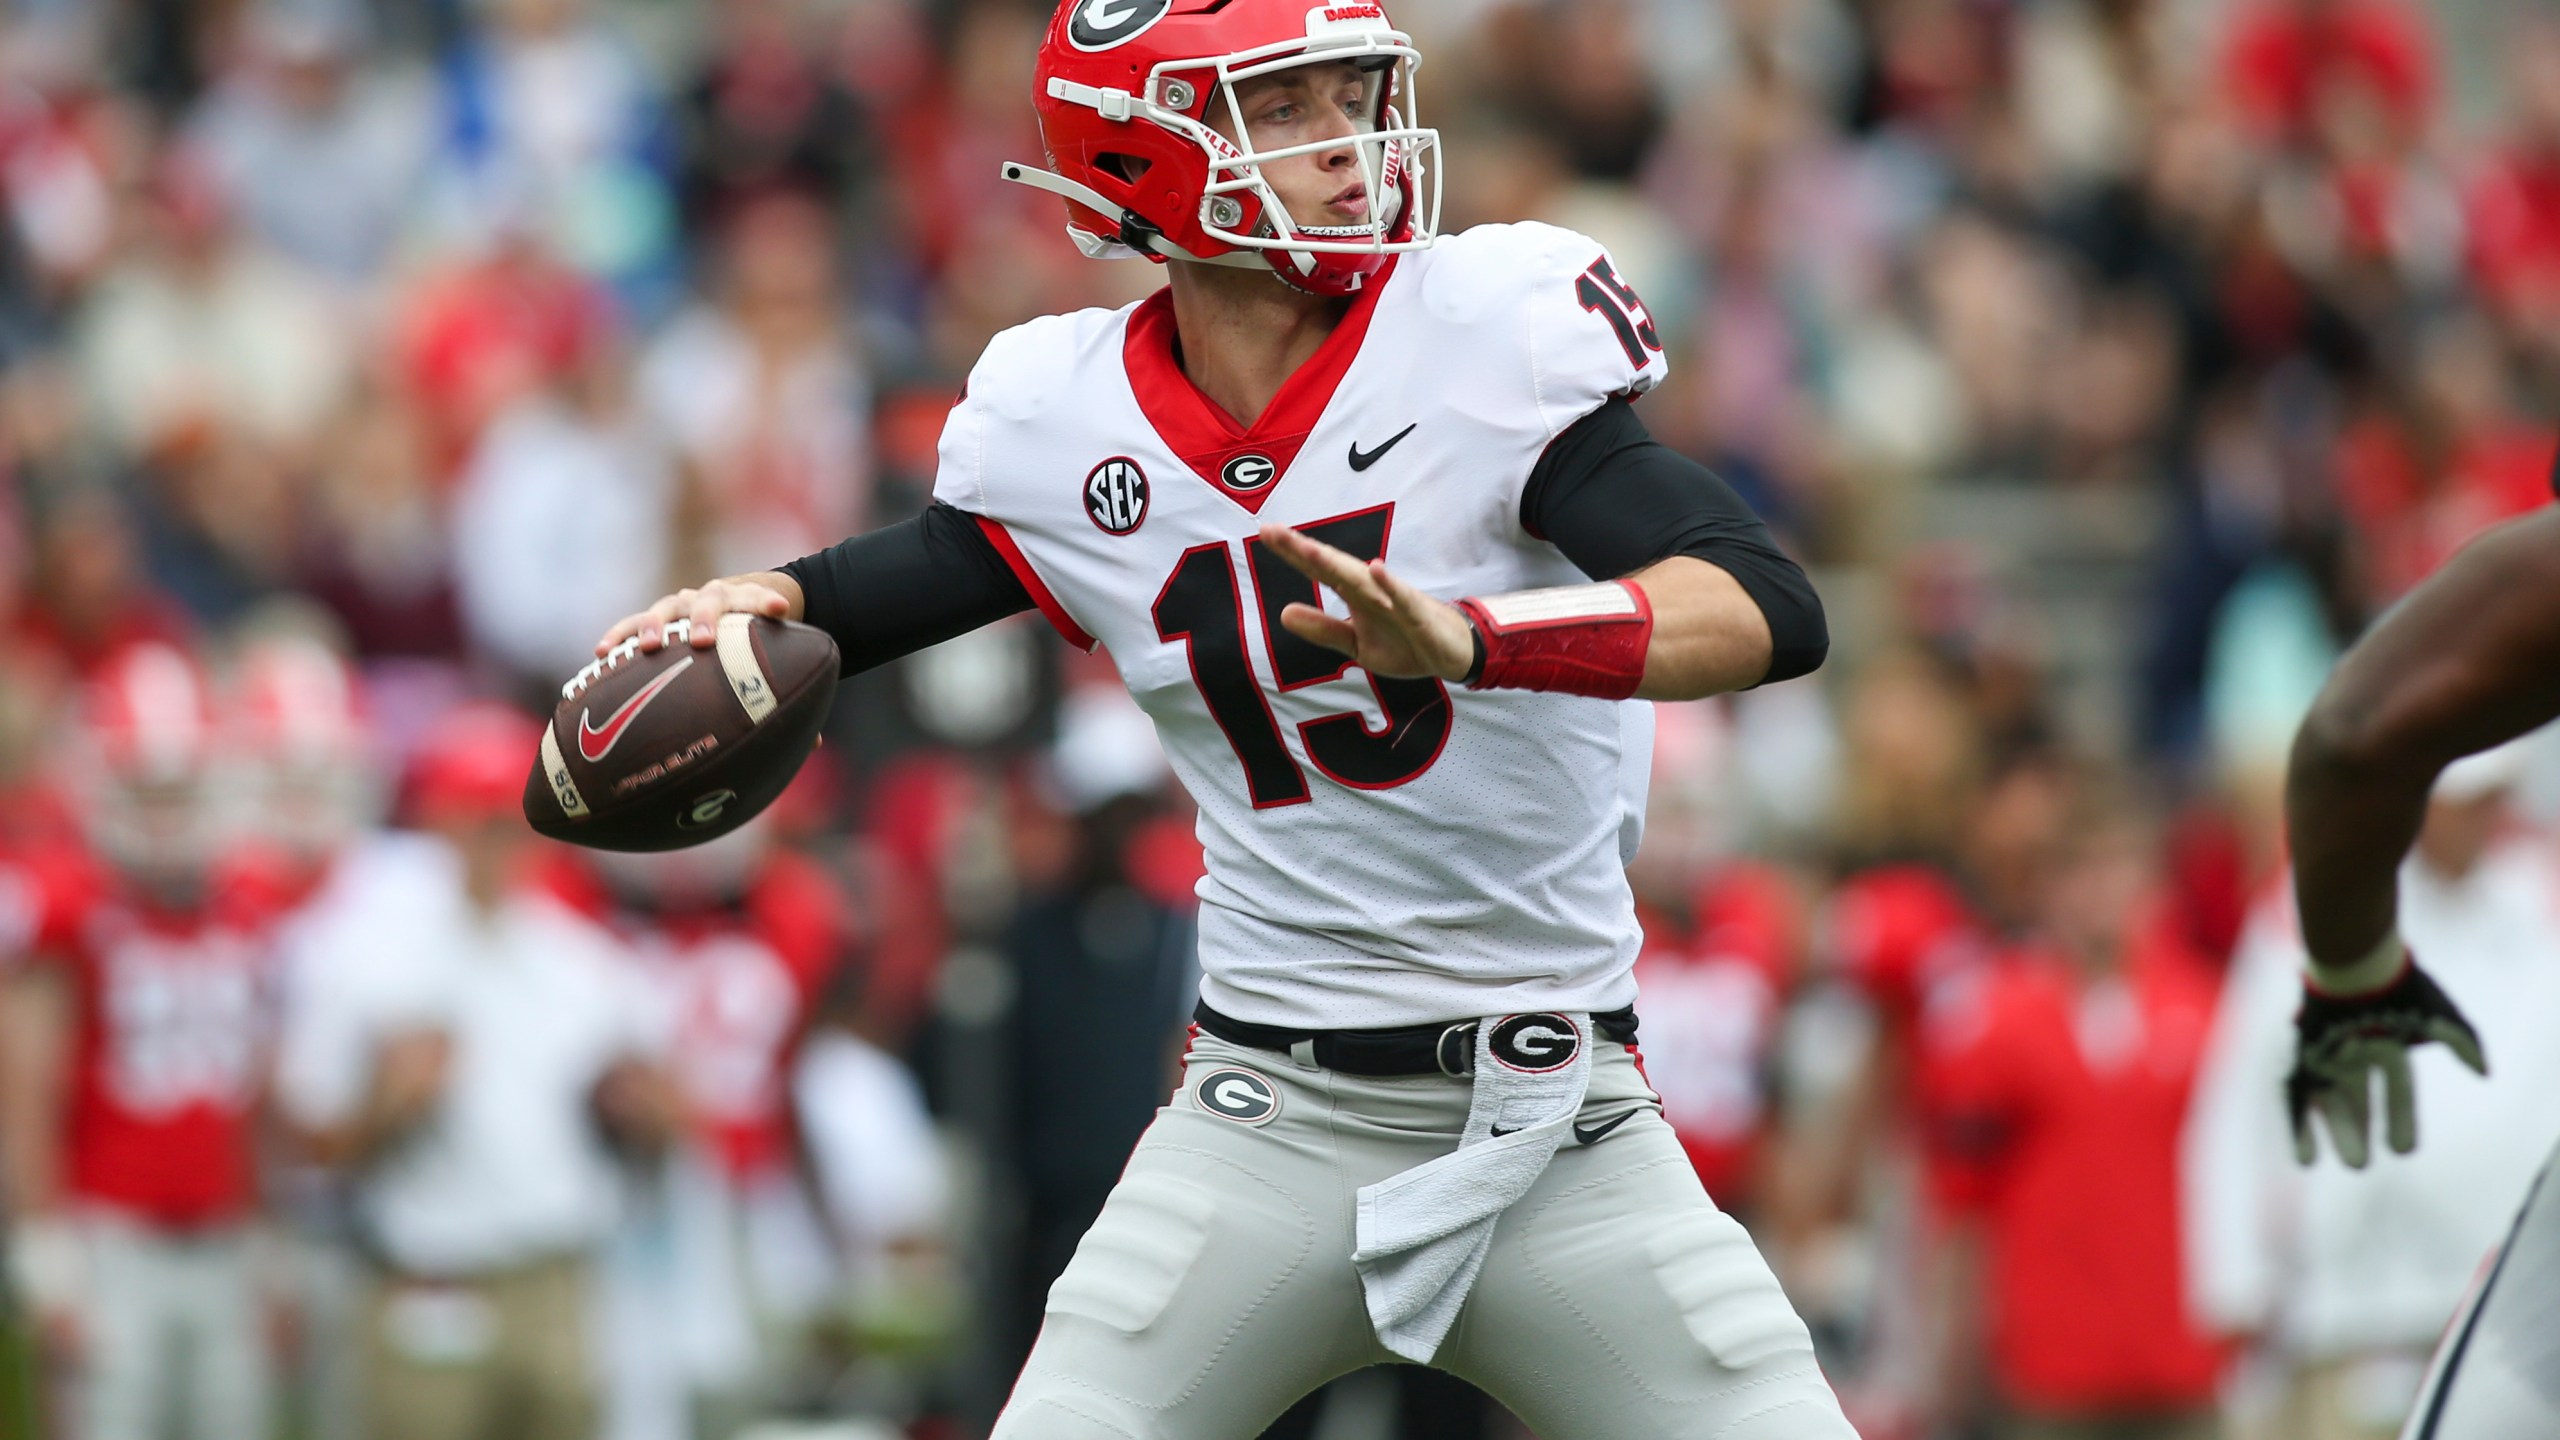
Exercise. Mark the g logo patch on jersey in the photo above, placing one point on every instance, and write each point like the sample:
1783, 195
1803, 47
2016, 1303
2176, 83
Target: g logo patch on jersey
1238, 1095
1248, 472
1101, 24
1115, 496
1535, 1044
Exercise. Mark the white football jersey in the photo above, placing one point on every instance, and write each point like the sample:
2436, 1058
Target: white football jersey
1380, 852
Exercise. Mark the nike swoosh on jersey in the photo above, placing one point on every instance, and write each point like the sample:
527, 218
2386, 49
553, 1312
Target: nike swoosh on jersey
595, 743
1592, 1134
1363, 459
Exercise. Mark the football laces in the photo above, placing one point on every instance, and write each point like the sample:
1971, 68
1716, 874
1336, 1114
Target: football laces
597, 669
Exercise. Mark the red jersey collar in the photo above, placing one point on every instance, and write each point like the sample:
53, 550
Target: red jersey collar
1203, 435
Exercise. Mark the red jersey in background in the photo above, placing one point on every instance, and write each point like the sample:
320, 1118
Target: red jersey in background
169, 1038
2056, 1101
1713, 989
740, 982
1896, 933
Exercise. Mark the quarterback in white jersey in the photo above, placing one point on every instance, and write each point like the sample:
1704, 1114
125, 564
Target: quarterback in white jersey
1380, 852
1396, 630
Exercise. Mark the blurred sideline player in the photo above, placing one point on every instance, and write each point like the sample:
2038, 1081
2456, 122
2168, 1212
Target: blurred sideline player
2468, 660
300, 747
304, 782
476, 1060
1849, 1202
1411, 1125
726, 1263
2054, 1082
130, 1073
1723, 942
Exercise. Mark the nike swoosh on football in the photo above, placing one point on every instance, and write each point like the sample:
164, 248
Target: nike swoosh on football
1592, 1134
595, 743
1363, 459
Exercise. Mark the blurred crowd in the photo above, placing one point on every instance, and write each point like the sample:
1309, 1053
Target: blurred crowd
2110, 362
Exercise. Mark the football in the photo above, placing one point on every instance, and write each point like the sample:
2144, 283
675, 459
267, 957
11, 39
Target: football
671, 748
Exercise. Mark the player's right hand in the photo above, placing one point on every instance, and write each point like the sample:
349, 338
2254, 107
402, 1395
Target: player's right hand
704, 607
1395, 631
2342, 1039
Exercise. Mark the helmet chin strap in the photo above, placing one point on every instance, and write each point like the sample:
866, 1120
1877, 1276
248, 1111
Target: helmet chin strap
1098, 248
1138, 238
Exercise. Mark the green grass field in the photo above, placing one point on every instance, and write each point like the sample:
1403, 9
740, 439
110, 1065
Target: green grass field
17, 1376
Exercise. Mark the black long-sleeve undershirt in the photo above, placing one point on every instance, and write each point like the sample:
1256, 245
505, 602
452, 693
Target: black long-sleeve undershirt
1616, 500
910, 585
1606, 493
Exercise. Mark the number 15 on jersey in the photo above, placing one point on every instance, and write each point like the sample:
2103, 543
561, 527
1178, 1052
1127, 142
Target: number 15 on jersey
1202, 606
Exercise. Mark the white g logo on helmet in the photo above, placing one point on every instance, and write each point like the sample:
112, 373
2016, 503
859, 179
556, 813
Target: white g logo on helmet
1101, 24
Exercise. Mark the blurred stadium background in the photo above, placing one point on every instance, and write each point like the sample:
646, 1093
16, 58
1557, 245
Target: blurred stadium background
2110, 362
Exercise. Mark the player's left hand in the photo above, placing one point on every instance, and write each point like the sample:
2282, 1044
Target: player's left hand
2342, 1040
1395, 631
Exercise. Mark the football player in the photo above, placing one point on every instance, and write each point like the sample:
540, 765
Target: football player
2468, 660
300, 747
736, 941
135, 1031
1371, 530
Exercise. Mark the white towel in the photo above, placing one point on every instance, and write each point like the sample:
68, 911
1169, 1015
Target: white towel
1420, 1236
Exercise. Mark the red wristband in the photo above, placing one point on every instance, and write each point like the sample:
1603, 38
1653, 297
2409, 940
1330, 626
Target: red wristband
1576, 639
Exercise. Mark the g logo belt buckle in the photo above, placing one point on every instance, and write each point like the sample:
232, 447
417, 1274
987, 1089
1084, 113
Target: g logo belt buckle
1455, 1051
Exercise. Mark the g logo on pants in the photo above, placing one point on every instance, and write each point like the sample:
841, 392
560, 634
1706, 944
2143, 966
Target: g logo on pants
1238, 1095
1535, 1044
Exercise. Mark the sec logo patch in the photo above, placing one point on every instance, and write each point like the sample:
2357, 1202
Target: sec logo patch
1115, 496
1238, 1095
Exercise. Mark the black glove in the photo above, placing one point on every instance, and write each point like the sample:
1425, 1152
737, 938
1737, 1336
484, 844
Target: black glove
2342, 1039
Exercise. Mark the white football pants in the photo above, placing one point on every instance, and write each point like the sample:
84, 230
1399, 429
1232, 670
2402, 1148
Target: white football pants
1217, 1287
173, 1325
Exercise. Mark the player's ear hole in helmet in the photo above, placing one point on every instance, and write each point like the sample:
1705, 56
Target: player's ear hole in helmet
1142, 115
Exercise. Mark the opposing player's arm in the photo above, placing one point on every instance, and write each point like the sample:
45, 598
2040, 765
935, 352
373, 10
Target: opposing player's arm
2468, 660
889, 593
1697, 598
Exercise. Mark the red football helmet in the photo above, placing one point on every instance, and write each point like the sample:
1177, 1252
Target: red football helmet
296, 726
143, 763
1124, 88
